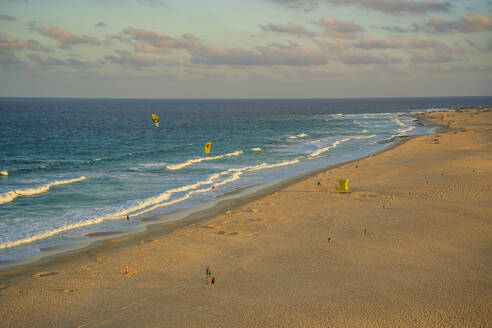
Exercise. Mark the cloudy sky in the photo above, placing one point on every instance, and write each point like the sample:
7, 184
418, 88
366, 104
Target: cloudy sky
245, 48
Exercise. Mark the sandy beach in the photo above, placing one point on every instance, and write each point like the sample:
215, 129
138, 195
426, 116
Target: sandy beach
409, 245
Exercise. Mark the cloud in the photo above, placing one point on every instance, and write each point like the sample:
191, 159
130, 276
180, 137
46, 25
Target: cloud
134, 59
355, 57
44, 60
119, 37
100, 24
150, 49
402, 42
291, 54
432, 58
48, 61
274, 54
337, 29
162, 40
67, 39
394, 29
290, 28
393, 7
11, 44
332, 47
449, 68
7, 17
304, 4
8, 59
476, 22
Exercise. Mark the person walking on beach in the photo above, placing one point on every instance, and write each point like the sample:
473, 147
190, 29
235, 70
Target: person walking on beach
213, 282
208, 274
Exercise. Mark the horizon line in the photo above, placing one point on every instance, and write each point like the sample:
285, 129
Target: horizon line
238, 98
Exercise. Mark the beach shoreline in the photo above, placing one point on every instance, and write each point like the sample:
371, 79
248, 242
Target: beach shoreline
394, 250
226, 201
165, 223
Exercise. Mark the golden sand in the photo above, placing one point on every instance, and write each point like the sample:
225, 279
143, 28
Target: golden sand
409, 245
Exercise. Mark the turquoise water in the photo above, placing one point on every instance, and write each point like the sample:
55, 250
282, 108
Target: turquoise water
82, 165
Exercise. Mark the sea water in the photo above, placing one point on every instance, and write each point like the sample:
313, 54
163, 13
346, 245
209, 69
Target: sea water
75, 166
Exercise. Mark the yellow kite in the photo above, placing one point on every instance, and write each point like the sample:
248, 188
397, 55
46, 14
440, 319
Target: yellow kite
155, 119
207, 147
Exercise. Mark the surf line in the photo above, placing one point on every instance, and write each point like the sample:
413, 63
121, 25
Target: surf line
152, 203
9, 196
201, 159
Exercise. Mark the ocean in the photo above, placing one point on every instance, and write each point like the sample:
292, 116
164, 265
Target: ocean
69, 167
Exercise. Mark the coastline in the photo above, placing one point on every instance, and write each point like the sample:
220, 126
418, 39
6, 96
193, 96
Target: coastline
226, 201
294, 220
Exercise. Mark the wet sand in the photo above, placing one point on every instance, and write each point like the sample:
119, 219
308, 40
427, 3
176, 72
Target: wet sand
409, 245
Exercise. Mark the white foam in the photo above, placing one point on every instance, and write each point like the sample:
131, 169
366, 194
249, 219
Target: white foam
397, 121
404, 131
148, 166
333, 145
4, 173
336, 143
49, 233
153, 203
301, 135
236, 153
201, 159
192, 161
364, 137
256, 149
269, 166
13, 194
112, 216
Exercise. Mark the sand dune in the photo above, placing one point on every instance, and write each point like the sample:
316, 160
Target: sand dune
410, 246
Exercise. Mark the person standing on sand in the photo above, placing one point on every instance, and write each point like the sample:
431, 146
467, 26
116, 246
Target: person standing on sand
213, 282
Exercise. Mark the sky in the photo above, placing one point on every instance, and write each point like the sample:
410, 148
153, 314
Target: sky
245, 48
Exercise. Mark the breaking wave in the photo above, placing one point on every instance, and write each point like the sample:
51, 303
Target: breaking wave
302, 135
336, 143
151, 204
13, 194
201, 159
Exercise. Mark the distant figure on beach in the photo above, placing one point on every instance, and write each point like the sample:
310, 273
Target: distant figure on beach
213, 282
207, 272
128, 217
319, 184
